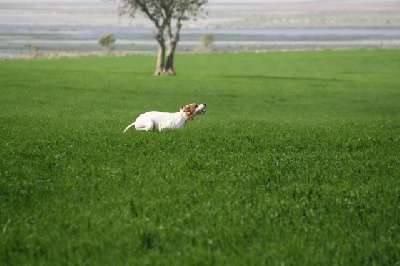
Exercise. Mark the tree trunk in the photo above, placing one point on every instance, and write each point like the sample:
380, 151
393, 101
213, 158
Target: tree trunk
173, 42
159, 36
169, 66
161, 58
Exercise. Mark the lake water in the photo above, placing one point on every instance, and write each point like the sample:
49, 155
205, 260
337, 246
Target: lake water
76, 28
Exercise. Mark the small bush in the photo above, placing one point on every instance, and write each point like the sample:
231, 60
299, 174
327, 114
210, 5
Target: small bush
107, 42
206, 44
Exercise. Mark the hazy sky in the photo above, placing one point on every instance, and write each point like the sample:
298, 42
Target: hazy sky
216, 1
210, 1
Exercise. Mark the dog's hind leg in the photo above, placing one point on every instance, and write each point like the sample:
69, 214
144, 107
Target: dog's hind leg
145, 125
128, 127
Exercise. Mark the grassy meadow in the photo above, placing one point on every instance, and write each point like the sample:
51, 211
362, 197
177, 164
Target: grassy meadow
295, 163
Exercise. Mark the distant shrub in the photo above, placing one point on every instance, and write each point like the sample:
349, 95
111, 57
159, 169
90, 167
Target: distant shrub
107, 42
206, 44
32, 49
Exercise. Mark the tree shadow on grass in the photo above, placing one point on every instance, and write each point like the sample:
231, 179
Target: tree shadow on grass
282, 78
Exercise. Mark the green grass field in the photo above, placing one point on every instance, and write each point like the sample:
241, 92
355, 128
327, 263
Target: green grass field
295, 163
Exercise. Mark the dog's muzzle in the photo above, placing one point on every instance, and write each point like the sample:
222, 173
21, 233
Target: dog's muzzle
201, 109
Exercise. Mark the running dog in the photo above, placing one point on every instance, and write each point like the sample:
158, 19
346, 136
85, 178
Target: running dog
162, 120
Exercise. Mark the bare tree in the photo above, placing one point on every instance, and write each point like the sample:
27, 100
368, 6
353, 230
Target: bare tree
167, 17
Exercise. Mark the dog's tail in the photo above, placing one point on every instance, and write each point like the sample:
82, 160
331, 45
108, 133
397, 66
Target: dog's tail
128, 127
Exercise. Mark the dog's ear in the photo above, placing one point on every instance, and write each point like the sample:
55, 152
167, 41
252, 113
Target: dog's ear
192, 107
184, 108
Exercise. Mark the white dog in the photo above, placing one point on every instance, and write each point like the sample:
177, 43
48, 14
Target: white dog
163, 120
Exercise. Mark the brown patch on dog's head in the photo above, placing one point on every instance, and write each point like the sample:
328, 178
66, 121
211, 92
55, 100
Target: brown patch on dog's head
189, 108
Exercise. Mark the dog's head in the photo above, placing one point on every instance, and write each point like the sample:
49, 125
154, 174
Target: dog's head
194, 109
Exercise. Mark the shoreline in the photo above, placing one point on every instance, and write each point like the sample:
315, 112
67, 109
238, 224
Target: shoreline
127, 54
